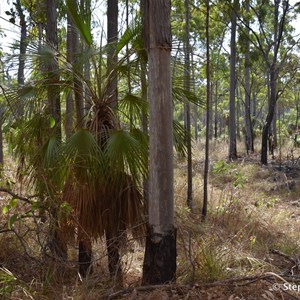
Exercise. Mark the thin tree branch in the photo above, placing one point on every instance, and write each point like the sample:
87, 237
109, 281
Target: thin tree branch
5, 190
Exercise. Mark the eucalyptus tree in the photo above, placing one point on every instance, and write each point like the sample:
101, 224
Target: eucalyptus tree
112, 59
52, 66
208, 97
187, 109
78, 74
69, 56
160, 253
232, 101
273, 42
23, 42
274, 60
58, 246
248, 122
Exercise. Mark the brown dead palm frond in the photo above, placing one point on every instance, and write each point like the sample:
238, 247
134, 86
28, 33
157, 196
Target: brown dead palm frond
105, 166
101, 207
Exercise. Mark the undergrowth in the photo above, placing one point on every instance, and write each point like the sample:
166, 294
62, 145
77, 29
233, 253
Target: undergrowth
251, 222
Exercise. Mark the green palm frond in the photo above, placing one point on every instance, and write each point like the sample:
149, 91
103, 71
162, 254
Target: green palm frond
82, 19
182, 95
127, 154
179, 137
132, 105
50, 156
37, 153
20, 98
50, 152
129, 35
83, 157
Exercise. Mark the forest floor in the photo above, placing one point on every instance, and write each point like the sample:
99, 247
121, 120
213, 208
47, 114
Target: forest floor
248, 247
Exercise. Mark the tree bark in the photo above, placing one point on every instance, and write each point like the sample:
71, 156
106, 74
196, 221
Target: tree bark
23, 47
112, 59
59, 248
160, 253
114, 258
78, 86
273, 71
70, 58
52, 68
86, 7
208, 108
2, 108
216, 109
248, 122
145, 124
232, 113
187, 109
85, 256
271, 110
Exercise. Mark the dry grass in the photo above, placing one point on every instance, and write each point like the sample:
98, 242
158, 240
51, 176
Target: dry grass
252, 211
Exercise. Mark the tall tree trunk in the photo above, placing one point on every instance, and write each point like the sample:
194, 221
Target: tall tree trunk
78, 71
160, 253
85, 256
211, 93
273, 69
128, 63
53, 75
238, 113
232, 114
216, 109
208, 108
296, 143
114, 257
248, 122
187, 109
112, 59
78, 87
86, 7
58, 246
113, 245
195, 118
23, 47
271, 110
70, 58
2, 108
145, 127
274, 126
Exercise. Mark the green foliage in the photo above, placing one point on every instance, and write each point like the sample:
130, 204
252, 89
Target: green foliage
180, 136
82, 157
7, 283
82, 19
220, 167
223, 168
132, 35
133, 106
12, 204
127, 154
212, 263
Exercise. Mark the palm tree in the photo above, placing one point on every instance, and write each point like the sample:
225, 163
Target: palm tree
94, 177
